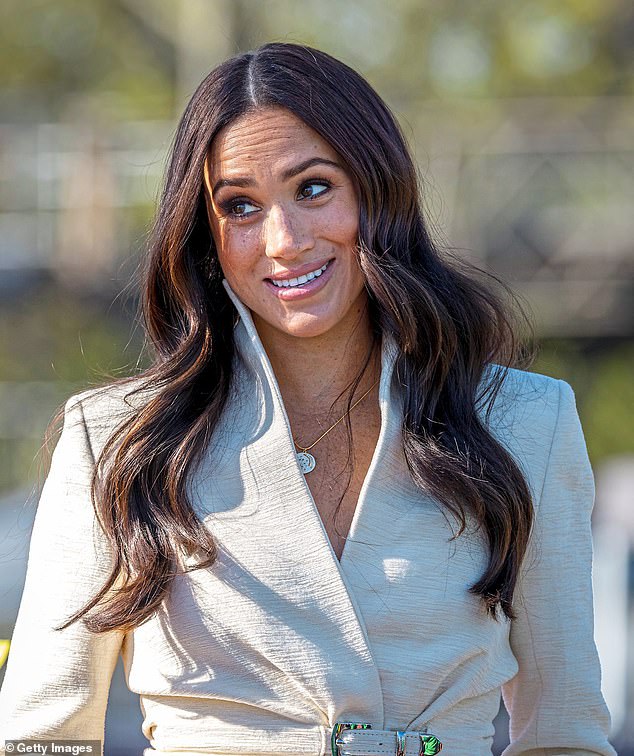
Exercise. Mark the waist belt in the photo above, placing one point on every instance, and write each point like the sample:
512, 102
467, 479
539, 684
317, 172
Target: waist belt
359, 739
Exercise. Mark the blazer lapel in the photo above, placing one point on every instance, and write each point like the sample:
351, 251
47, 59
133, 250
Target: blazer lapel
273, 540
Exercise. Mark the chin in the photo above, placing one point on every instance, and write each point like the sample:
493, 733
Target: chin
306, 330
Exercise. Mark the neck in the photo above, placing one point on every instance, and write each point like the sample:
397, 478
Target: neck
312, 372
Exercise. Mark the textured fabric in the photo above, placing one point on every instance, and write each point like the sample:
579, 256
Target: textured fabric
265, 650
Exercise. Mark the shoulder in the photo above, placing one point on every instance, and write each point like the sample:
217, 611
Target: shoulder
102, 409
529, 414
514, 395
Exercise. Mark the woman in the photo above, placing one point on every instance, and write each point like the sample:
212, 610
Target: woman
330, 515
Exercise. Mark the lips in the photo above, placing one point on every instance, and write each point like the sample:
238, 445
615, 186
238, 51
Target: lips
302, 290
301, 280
301, 271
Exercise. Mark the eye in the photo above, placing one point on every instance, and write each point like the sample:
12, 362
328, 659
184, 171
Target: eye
236, 208
307, 192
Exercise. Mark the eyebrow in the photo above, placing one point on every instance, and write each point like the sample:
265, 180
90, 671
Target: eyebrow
286, 175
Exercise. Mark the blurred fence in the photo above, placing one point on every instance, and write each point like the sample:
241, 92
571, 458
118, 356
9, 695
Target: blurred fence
538, 190
75, 198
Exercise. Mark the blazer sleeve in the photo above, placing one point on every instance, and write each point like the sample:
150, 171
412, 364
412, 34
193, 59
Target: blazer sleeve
555, 701
57, 682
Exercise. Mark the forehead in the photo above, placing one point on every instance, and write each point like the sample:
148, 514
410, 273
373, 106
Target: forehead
264, 137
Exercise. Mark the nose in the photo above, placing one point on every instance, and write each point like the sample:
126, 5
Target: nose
285, 235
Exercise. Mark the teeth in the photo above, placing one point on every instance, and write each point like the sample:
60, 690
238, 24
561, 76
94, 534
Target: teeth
301, 279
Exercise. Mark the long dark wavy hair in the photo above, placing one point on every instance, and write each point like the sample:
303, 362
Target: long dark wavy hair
450, 323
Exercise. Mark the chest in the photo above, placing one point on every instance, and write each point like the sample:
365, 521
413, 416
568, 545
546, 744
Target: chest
342, 465
365, 626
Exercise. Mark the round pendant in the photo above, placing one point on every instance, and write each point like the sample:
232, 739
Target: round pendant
306, 462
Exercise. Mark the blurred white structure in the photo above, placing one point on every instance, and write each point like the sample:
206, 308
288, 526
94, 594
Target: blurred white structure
613, 534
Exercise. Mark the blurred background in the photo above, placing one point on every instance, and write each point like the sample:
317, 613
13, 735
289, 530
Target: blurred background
520, 116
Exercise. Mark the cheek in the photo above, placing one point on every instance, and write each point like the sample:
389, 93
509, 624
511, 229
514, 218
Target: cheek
237, 248
343, 223
343, 232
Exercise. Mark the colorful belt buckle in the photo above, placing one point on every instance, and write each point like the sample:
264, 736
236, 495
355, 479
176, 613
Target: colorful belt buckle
429, 744
339, 727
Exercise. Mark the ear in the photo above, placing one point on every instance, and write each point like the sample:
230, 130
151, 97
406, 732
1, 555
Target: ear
207, 192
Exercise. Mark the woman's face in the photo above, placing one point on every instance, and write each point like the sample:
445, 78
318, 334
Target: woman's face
281, 205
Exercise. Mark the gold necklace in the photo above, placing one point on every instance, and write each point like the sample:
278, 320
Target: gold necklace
306, 461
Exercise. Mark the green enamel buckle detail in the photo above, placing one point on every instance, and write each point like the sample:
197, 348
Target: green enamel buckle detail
339, 727
429, 744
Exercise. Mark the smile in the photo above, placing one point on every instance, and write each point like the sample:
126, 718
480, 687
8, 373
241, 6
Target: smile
306, 285
301, 279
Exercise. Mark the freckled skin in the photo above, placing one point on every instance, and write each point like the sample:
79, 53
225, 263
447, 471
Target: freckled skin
318, 344
287, 230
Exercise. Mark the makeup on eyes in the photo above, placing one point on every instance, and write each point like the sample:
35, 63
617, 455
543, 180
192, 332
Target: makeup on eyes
227, 206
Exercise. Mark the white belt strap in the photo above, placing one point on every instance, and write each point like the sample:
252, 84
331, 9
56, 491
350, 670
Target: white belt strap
359, 739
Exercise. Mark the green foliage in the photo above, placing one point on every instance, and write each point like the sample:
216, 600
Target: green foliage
66, 341
603, 381
55, 56
121, 59
608, 406
62, 337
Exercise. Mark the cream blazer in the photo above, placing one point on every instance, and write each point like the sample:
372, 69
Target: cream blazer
263, 652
